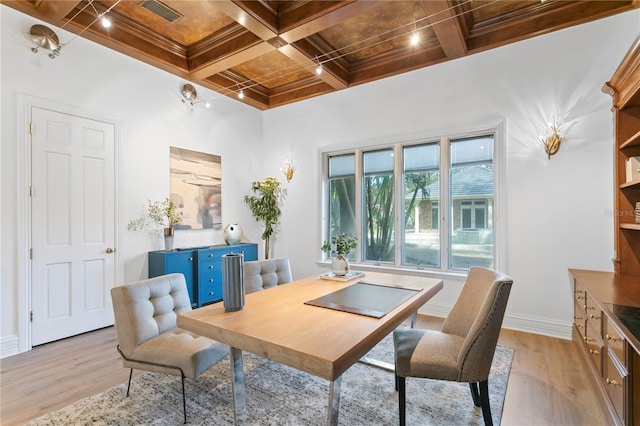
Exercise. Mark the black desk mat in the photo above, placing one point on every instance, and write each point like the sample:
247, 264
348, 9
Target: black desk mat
372, 300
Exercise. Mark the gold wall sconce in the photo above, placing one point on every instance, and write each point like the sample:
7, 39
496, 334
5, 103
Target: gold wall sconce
289, 168
552, 142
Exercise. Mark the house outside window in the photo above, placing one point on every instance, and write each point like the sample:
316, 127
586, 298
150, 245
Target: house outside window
445, 216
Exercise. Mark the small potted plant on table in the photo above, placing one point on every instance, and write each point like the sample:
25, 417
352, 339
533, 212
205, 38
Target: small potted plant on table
340, 245
160, 214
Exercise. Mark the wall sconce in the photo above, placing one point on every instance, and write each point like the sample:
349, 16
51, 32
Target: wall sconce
190, 95
289, 168
45, 38
552, 142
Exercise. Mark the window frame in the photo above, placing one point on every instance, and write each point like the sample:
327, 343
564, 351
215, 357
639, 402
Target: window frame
497, 129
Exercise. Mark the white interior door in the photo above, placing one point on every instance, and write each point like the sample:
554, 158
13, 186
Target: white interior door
72, 219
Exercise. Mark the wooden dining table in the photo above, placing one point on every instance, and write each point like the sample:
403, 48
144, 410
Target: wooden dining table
279, 325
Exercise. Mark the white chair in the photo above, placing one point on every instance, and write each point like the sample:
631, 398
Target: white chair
263, 274
146, 316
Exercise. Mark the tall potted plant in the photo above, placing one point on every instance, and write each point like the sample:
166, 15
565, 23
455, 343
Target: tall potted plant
340, 245
160, 214
265, 206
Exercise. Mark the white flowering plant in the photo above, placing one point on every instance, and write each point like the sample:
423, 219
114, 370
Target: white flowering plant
160, 214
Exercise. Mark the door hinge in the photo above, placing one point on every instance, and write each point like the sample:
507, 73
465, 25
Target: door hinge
31, 129
30, 316
31, 253
31, 191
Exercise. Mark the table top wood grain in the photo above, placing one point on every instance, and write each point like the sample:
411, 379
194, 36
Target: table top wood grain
277, 325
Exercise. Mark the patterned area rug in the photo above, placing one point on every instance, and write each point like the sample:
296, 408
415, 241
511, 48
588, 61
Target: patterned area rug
280, 395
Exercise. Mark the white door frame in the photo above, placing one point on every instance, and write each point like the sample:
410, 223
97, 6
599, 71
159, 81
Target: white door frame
23, 208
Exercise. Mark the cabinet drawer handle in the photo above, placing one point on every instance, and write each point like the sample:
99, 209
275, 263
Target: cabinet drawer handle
589, 339
612, 382
580, 325
591, 308
613, 338
210, 293
594, 351
190, 259
210, 254
210, 280
210, 266
580, 298
594, 316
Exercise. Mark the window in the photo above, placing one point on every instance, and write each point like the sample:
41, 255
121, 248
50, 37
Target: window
342, 195
426, 204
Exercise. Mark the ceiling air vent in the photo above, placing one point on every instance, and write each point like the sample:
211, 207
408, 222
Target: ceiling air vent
161, 10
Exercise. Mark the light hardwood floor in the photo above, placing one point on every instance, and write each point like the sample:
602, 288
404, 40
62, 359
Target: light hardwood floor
546, 383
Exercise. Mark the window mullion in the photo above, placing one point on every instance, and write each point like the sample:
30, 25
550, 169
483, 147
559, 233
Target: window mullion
445, 209
359, 204
398, 227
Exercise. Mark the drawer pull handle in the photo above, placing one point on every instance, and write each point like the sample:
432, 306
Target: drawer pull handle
580, 298
190, 259
580, 325
210, 293
613, 338
210, 266
211, 255
612, 382
594, 351
210, 280
591, 308
589, 339
594, 317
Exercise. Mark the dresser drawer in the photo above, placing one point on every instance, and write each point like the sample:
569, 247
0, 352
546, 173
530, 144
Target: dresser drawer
594, 315
615, 380
209, 289
210, 267
580, 321
615, 342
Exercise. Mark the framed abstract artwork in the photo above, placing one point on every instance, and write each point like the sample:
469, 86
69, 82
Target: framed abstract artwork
196, 188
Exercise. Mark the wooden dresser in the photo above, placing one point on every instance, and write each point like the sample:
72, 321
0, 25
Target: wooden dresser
607, 304
607, 330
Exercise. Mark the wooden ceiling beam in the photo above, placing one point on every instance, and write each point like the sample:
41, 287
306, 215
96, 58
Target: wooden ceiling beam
445, 25
225, 62
252, 15
295, 27
53, 12
304, 60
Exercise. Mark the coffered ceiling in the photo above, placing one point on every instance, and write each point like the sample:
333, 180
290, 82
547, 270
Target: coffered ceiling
270, 49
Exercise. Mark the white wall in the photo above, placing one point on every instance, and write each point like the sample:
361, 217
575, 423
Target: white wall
558, 211
146, 101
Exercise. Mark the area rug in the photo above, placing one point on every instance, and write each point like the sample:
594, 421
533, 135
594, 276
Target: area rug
280, 395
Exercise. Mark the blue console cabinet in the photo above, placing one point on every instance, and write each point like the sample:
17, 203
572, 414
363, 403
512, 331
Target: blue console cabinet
201, 267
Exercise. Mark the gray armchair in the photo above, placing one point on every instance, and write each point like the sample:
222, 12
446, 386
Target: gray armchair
262, 274
149, 339
463, 349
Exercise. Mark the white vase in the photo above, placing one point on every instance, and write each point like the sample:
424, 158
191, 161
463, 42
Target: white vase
168, 239
340, 265
233, 234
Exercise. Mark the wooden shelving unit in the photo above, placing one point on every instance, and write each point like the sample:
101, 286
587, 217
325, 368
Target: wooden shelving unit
624, 87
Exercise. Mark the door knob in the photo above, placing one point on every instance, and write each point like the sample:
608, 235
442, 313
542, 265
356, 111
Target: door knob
110, 250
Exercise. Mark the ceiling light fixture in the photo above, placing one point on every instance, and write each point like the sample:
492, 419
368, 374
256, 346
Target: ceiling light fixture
45, 38
415, 39
319, 69
241, 94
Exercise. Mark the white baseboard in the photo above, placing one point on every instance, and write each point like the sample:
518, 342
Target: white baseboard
534, 325
9, 345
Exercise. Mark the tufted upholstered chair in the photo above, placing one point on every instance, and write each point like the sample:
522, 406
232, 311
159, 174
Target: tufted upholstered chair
463, 349
262, 274
146, 314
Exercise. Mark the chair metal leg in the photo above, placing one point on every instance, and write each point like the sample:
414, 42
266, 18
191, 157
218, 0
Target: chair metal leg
474, 393
129, 385
484, 400
184, 399
401, 383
